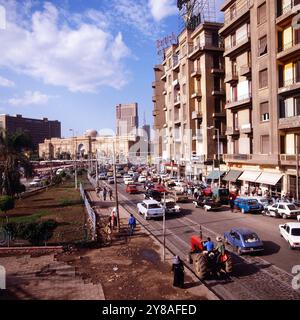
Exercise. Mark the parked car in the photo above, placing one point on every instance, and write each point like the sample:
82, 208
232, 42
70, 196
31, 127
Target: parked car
148, 185
207, 203
131, 188
244, 240
153, 194
150, 209
283, 209
222, 194
248, 205
160, 188
265, 202
111, 180
207, 192
36, 182
291, 233
119, 175
129, 181
171, 206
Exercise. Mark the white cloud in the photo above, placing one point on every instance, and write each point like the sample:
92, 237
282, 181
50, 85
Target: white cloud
161, 9
6, 83
81, 58
30, 98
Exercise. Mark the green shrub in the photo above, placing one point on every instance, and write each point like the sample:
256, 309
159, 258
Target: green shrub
57, 179
6, 203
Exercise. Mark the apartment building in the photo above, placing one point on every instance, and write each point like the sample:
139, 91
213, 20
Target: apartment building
127, 119
158, 111
261, 63
38, 129
194, 100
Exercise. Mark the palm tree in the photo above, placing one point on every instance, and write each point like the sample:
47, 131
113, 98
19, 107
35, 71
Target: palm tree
12, 159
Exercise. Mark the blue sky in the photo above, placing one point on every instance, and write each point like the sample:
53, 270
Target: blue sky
74, 60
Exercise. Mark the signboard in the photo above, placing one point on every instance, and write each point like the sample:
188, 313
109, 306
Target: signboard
166, 42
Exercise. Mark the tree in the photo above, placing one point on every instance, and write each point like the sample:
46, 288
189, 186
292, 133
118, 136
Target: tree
13, 160
6, 203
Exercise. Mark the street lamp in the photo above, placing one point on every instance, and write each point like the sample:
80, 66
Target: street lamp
218, 141
75, 155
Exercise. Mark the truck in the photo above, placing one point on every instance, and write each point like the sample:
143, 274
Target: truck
150, 209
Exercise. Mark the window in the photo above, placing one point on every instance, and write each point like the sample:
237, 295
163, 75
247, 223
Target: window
290, 107
234, 67
183, 69
184, 89
233, 40
232, 12
236, 121
265, 144
264, 111
263, 78
217, 105
262, 46
261, 13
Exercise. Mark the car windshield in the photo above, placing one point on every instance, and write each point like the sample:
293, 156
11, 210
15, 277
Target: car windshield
251, 237
154, 206
295, 232
291, 207
252, 202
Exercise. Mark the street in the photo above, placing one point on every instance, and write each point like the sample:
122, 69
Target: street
264, 276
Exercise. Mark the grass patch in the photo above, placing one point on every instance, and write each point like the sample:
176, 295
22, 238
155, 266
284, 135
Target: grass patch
29, 218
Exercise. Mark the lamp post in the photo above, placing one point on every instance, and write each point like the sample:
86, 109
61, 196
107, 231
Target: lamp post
218, 142
75, 154
116, 186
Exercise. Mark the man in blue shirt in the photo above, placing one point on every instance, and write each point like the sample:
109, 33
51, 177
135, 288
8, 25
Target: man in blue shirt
209, 245
131, 224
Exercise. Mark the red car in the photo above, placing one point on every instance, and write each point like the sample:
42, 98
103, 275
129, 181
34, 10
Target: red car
160, 188
207, 192
131, 188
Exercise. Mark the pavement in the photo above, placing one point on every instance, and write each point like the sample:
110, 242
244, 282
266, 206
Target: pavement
45, 278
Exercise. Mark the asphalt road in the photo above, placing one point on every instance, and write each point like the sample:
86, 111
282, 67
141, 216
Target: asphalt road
266, 275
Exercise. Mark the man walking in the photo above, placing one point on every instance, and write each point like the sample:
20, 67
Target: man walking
110, 193
178, 270
131, 224
104, 193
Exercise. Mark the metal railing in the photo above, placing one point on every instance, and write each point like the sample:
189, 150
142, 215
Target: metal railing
240, 99
238, 41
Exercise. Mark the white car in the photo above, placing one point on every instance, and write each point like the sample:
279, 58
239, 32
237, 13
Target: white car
142, 179
128, 181
35, 183
283, 209
111, 180
291, 233
150, 209
102, 176
171, 206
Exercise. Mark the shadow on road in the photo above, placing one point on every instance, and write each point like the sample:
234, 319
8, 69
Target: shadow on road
270, 248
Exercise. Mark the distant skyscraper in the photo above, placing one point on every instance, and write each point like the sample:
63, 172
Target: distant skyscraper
127, 119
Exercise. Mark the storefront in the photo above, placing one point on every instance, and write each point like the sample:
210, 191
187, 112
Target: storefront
214, 177
292, 182
232, 181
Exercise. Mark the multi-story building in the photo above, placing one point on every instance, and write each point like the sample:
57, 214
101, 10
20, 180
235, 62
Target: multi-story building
194, 100
39, 130
127, 119
158, 100
262, 84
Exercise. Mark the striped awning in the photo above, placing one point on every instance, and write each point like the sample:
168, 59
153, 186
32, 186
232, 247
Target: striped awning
232, 175
250, 176
269, 178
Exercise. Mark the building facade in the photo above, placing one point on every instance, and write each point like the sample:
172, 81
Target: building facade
127, 120
194, 92
38, 129
262, 62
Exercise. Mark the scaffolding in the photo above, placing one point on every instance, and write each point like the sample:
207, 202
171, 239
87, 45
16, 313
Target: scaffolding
194, 12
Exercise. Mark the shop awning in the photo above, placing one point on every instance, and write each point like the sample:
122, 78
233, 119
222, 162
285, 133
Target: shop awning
250, 176
269, 178
215, 174
232, 175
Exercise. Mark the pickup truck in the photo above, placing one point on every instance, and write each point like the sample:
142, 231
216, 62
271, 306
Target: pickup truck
150, 209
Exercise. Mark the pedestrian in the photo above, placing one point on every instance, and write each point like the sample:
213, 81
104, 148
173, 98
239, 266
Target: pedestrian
104, 193
220, 248
231, 202
178, 270
110, 193
259, 192
131, 224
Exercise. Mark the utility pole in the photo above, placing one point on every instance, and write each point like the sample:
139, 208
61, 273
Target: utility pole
116, 187
164, 229
297, 167
75, 156
219, 161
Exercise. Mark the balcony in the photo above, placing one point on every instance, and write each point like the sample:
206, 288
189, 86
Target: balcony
232, 131
221, 114
218, 70
222, 136
286, 13
231, 78
241, 102
196, 73
197, 137
245, 70
240, 45
288, 159
237, 157
232, 19
177, 101
288, 123
288, 51
196, 115
289, 85
164, 77
246, 128
218, 92
176, 63
196, 95
153, 84
175, 84
196, 50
